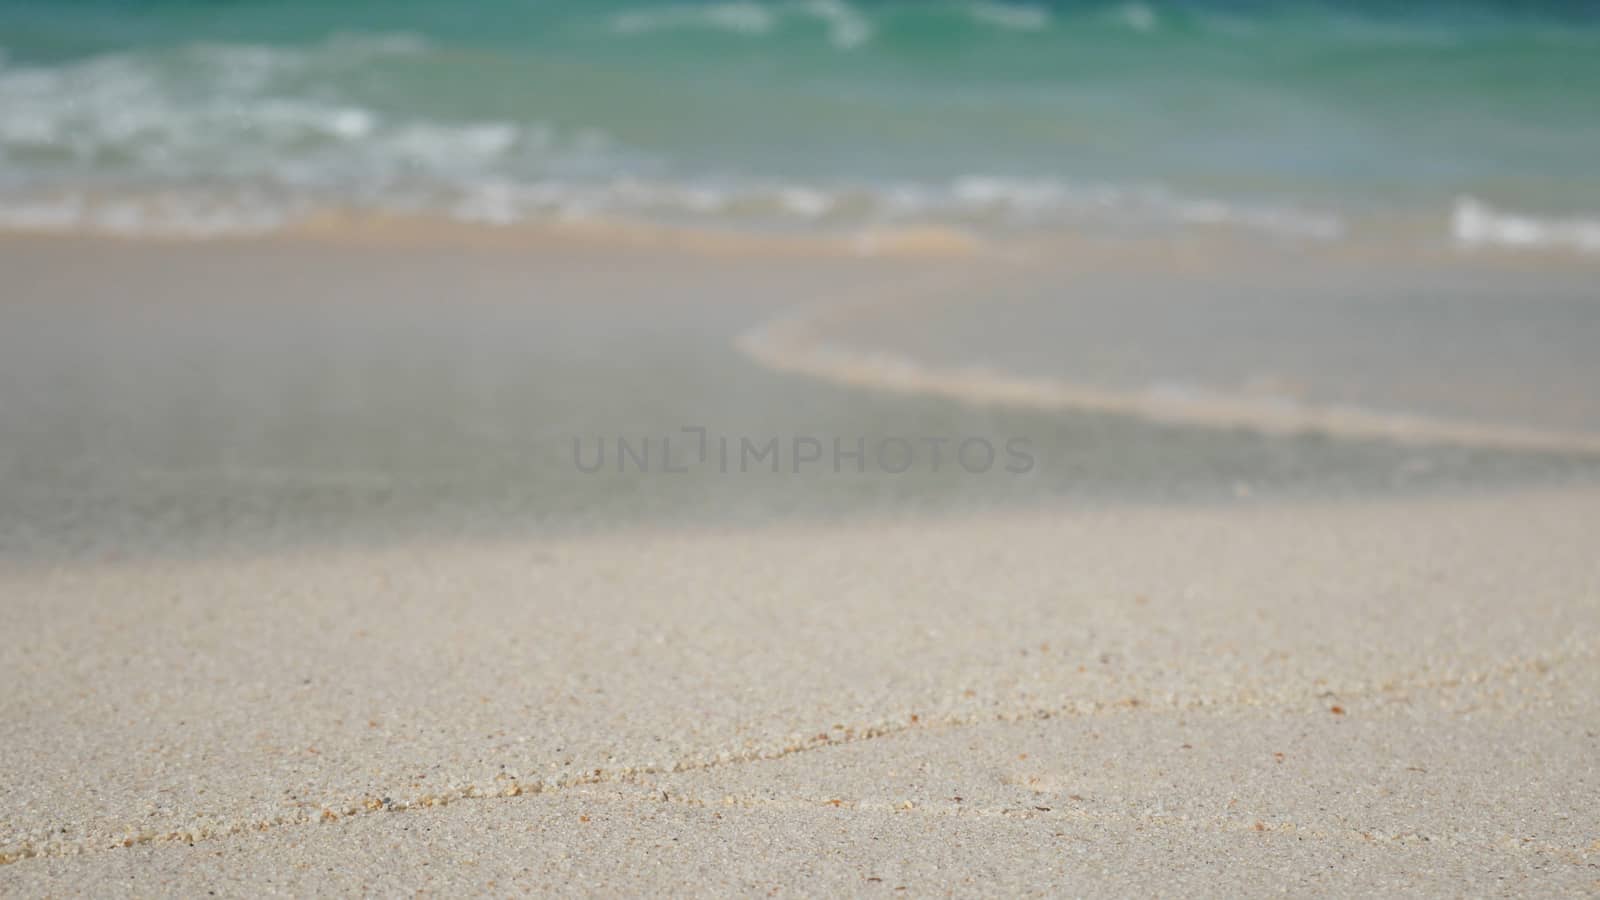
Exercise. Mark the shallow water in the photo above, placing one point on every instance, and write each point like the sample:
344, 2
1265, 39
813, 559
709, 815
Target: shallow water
1220, 250
1469, 340
258, 397
1470, 122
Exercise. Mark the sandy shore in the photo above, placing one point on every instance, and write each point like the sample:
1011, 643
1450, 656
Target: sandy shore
293, 603
1361, 697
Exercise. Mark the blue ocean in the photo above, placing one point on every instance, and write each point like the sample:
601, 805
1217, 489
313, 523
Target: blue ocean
1465, 123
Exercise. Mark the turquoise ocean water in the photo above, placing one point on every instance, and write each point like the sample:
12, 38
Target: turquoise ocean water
1472, 123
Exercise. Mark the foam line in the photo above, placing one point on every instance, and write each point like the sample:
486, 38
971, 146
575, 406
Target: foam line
799, 344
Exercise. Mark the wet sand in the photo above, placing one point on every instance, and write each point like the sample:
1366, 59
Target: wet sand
247, 397
292, 606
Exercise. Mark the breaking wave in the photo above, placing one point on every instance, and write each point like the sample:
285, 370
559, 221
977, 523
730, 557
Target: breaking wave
1476, 224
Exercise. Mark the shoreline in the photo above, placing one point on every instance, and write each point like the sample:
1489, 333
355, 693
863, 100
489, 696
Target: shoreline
380, 392
1412, 238
798, 344
912, 241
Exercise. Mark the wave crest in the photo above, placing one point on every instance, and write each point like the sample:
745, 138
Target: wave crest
1476, 224
846, 26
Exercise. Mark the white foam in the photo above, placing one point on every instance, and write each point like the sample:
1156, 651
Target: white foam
1010, 16
285, 121
803, 344
806, 203
1475, 224
977, 200
1050, 201
140, 120
739, 18
1137, 16
169, 216
239, 121
848, 28
462, 179
1290, 222
470, 147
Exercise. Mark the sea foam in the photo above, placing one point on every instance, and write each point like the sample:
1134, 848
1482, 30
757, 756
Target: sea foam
1476, 224
846, 26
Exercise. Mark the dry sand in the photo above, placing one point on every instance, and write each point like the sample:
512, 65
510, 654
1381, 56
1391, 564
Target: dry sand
1355, 697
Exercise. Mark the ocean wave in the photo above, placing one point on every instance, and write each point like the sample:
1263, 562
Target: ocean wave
1056, 202
849, 25
189, 140
1476, 224
846, 26
982, 201
240, 117
194, 139
1140, 17
741, 18
982, 205
175, 216
1009, 16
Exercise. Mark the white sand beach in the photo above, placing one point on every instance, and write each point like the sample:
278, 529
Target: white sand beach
319, 624
658, 448
1364, 698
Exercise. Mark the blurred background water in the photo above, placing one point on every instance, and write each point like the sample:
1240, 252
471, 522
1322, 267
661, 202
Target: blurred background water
1459, 122
1262, 203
